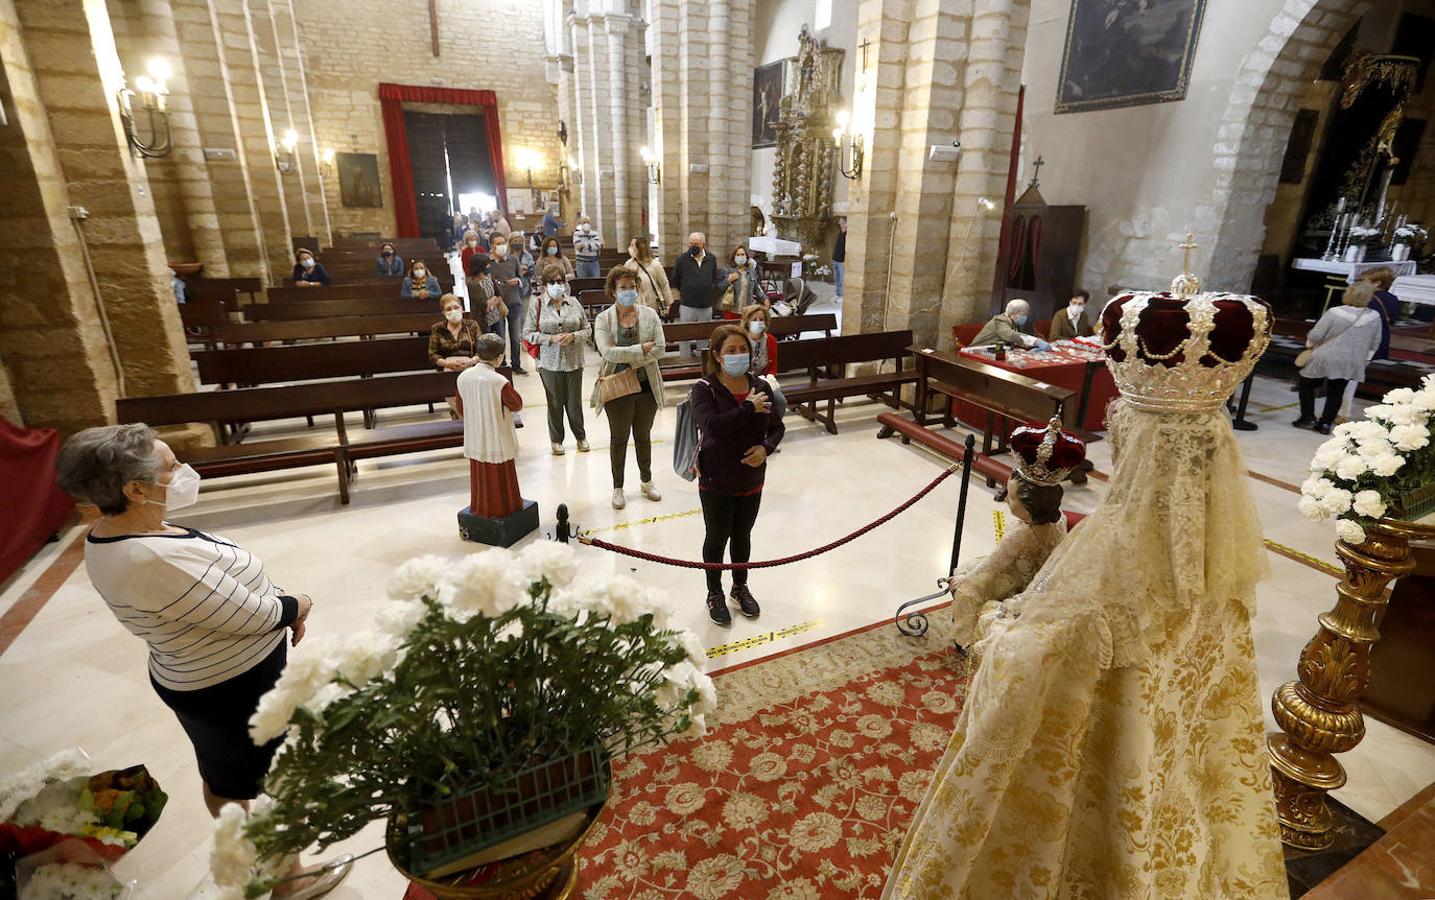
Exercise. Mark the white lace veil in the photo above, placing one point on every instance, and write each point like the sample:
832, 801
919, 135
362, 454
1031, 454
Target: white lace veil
1177, 530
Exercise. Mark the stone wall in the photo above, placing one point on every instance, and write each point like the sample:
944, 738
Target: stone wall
349, 46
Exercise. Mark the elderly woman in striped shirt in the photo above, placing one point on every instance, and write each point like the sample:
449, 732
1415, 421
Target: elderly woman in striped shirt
215, 624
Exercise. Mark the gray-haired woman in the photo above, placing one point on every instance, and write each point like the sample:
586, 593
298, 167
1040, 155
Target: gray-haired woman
214, 622
1341, 343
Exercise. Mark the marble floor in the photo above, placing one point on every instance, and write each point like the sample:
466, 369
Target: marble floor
74, 677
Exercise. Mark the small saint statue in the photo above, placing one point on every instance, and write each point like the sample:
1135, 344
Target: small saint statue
1044, 457
487, 402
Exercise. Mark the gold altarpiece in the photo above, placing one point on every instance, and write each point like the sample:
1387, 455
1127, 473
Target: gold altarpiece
802, 177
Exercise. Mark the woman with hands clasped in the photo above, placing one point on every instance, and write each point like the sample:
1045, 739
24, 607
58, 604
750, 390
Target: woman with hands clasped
737, 431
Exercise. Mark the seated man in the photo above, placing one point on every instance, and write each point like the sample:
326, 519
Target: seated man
1073, 321
1005, 328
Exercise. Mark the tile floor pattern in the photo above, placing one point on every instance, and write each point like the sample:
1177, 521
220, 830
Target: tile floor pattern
75, 677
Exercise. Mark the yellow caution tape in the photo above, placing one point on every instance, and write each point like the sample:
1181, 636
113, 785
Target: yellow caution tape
1306, 559
761, 639
651, 520
1270, 409
999, 523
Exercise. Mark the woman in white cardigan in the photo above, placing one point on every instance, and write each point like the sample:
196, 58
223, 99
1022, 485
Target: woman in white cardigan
630, 336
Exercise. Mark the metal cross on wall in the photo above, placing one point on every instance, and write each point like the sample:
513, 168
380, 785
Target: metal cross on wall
866, 42
1036, 171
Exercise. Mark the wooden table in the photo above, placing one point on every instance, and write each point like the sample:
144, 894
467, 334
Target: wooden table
1077, 367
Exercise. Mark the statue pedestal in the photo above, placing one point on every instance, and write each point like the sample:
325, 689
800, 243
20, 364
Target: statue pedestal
503, 532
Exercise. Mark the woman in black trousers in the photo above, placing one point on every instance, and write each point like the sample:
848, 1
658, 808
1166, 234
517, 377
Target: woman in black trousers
737, 431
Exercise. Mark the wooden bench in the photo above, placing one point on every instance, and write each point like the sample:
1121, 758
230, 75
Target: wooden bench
249, 366
378, 289
910, 430
1005, 397
304, 400
320, 309
680, 368
201, 318
258, 333
222, 290
826, 360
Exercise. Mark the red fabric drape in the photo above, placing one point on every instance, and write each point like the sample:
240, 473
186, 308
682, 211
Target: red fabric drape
391, 100
37, 508
406, 205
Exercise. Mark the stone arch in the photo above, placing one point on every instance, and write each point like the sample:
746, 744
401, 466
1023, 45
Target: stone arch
1257, 124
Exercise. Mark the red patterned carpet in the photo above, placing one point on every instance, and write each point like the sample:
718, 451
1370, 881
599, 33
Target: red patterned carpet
803, 788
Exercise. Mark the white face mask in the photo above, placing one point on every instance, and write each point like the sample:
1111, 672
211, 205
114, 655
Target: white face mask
454, 315
555, 291
307, 263
182, 489
1075, 309
740, 260
420, 272
756, 326
500, 250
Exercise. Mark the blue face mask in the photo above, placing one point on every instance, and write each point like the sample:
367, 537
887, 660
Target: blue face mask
734, 364
1019, 320
627, 297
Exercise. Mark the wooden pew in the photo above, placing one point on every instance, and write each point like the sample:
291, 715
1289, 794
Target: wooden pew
825, 361
580, 285
222, 290
996, 472
258, 333
1004, 396
250, 366
318, 309
301, 400
373, 289
404, 246
680, 368
201, 318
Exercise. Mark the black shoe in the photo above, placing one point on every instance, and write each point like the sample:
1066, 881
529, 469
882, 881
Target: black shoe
1322, 428
1303, 422
518, 370
717, 608
744, 599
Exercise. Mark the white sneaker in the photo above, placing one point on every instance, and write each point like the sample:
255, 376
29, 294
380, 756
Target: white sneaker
618, 500
557, 449
650, 491
583, 447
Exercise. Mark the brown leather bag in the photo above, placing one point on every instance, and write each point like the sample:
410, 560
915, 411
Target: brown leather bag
619, 385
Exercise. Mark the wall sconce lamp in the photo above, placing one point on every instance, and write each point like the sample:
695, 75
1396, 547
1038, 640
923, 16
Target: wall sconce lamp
151, 89
326, 162
848, 149
288, 145
525, 160
655, 171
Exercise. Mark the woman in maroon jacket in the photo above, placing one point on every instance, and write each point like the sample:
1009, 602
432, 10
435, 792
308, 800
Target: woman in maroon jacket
736, 432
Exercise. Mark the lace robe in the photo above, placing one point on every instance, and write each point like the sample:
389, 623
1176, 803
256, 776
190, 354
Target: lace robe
979, 588
1111, 744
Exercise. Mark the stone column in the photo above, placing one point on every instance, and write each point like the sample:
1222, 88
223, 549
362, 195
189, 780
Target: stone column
668, 213
77, 71
590, 58
920, 248
257, 139
302, 119
183, 196
62, 374
276, 99
217, 122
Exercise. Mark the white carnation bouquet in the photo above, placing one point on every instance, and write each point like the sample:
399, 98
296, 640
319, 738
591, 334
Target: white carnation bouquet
1411, 233
1374, 468
1360, 235
477, 669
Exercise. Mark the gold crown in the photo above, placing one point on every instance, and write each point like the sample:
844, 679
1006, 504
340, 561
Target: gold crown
1170, 353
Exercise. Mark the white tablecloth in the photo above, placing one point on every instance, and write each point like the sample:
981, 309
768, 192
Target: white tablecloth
774, 246
1415, 289
1351, 271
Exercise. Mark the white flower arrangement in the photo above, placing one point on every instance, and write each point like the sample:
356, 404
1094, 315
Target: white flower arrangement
31, 780
1411, 233
1365, 469
72, 881
1360, 235
476, 668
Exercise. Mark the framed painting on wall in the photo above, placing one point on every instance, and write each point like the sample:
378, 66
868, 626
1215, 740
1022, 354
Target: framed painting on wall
359, 180
767, 88
1127, 53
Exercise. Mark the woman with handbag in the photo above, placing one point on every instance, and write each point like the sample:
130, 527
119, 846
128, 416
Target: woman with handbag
744, 285
484, 300
654, 291
630, 384
1338, 347
737, 431
553, 334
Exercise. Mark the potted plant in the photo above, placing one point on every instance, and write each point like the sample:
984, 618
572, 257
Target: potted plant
1360, 236
1378, 469
478, 720
1405, 236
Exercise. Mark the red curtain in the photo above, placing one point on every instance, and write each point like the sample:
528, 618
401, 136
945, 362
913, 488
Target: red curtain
391, 99
27, 480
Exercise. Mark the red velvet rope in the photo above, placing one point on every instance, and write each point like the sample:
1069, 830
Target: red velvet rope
771, 563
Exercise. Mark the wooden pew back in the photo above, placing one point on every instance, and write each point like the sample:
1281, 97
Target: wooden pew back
379, 289
991, 387
844, 349
319, 309
316, 329
309, 362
